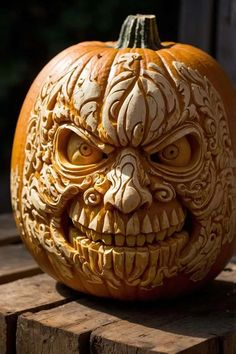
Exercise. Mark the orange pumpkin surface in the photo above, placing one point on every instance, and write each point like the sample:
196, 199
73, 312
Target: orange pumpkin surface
122, 166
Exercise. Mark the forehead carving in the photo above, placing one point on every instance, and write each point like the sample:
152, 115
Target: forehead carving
137, 103
137, 107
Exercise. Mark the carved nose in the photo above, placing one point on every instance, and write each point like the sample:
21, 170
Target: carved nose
128, 190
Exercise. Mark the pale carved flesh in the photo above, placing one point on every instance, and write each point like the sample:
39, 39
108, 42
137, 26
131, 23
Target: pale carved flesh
128, 183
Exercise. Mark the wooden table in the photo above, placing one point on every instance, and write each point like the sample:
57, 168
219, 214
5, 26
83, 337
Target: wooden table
39, 315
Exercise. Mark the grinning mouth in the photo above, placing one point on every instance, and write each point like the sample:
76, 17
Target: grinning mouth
141, 253
139, 229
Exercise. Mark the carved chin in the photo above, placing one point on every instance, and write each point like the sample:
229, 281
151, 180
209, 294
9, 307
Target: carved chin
131, 247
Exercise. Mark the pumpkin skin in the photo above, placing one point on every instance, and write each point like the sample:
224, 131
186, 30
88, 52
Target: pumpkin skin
122, 170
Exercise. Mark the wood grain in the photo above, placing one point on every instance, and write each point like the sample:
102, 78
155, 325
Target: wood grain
201, 323
8, 231
65, 329
16, 263
30, 294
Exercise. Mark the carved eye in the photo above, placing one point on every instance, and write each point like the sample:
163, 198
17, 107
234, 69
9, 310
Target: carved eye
80, 152
176, 154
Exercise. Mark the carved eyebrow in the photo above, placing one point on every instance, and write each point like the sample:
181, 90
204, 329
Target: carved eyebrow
179, 133
90, 138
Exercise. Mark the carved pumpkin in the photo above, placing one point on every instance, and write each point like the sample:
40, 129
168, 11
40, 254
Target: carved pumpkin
122, 166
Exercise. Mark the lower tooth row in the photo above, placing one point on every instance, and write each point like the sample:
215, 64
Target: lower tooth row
144, 265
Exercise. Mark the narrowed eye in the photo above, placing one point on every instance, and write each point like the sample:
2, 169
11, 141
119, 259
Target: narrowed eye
176, 154
80, 152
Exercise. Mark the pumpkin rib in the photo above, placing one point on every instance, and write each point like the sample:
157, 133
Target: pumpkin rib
119, 227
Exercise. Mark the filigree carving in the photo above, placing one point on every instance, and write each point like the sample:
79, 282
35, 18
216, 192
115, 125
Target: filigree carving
126, 214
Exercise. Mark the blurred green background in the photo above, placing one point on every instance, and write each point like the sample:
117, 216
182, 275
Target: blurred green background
32, 32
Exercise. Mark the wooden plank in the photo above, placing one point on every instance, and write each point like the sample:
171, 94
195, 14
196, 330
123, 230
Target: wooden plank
65, 329
226, 34
16, 263
8, 231
190, 325
195, 23
207, 324
29, 294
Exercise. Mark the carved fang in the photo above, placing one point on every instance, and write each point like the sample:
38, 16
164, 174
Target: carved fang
174, 220
94, 223
83, 218
133, 227
164, 221
146, 225
107, 227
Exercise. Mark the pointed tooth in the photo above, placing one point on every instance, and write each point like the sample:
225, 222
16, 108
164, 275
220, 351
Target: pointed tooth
171, 231
164, 254
131, 241
107, 227
77, 243
182, 239
156, 224
74, 211
150, 238
154, 255
173, 248
140, 240
133, 227
129, 260
181, 214
161, 235
84, 245
174, 220
119, 227
141, 262
119, 240
106, 239
89, 234
118, 262
93, 225
164, 221
179, 227
150, 273
93, 256
107, 257
100, 257
83, 218
96, 237
148, 276
146, 225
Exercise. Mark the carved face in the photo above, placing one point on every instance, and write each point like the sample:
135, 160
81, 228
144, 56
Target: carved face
128, 182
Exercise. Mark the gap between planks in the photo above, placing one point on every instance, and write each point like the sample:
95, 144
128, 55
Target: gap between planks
202, 323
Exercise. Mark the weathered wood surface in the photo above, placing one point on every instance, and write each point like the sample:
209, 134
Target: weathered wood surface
16, 263
8, 231
30, 294
37, 315
203, 323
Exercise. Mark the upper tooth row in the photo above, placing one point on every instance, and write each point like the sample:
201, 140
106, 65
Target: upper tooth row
130, 240
109, 224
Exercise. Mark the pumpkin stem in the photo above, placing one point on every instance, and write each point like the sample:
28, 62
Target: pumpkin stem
139, 31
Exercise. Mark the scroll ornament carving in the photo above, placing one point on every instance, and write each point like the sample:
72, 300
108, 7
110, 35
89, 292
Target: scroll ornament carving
122, 220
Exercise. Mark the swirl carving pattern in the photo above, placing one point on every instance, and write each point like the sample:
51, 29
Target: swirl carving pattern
123, 219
